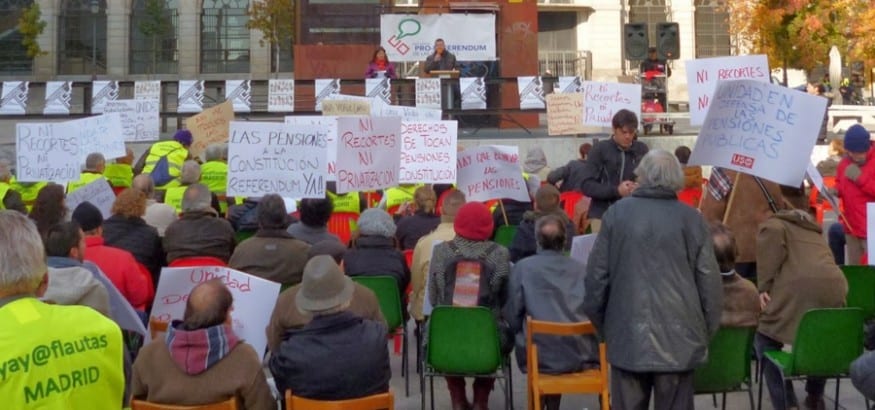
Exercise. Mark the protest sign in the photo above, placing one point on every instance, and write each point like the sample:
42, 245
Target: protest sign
428, 93
42, 154
120, 310
569, 85
429, 152
407, 113
491, 172
379, 88
473, 93
147, 90
210, 127
191, 96
603, 100
816, 180
329, 126
276, 158
58, 94
254, 299
581, 247
565, 114
531, 92
101, 92
324, 88
14, 98
760, 129
98, 192
280, 95
368, 151
239, 93
337, 107
410, 37
140, 118
101, 133
704, 74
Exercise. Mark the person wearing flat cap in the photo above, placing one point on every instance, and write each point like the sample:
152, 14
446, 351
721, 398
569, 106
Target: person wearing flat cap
338, 355
855, 183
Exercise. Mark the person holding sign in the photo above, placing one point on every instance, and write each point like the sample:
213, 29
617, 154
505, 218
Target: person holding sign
380, 67
95, 163
855, 183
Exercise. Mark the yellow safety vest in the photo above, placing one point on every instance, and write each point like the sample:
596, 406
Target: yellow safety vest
84, 179
28, 191
176, 156
173, 197
59, 357
348, 202
400, 194
4, 188
214, 174
119, 175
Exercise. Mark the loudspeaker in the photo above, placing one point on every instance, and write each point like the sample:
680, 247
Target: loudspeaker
635, 41
668, 41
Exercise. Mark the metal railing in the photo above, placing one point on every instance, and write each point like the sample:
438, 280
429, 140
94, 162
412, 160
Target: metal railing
562, 63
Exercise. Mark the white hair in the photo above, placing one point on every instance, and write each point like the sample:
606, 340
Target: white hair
22, 256
94, 160
197, 197
660, 168
191, 172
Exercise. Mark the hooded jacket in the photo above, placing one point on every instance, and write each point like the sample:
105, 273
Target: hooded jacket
856, 194
122, 269
272, 254
199, 233
525, 242
75, 285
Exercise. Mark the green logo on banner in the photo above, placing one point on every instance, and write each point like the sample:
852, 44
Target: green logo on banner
407, 28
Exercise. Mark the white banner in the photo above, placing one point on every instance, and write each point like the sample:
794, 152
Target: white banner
408, 113
531, 91
147, 90
100, 133
473, 93
98, 192
368, 151
429, 152
14, 100
254, 299
760, 129
281, 95
276, 158
140, 118
704, 74
603, 100
328, 124
45, 152
410, 37
569, 85
101, 92
428, 93
191, 96
491, 172
239, 93
379, 88
325, 87
58, 94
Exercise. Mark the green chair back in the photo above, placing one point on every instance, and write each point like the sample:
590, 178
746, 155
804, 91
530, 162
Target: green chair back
728, 363
386, 289
241, 236
504, 235
861, 288
827, 341
463, 340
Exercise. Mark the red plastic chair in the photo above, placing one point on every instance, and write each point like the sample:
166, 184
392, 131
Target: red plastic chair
567, 200
408, 257
690, 196
342, 224
192, 261
372, 199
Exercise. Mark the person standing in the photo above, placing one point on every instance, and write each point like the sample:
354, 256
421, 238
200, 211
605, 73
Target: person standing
653, 290
380, 66
569, 177
440, 59
855, 183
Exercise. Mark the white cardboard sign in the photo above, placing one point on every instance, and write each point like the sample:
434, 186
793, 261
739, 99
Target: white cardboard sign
491, 172
101, 133
98, 192
191, 96
140, 118
531, 91
101, 92
603, 100
58, 94
328, 124
429, 152
368, 151
704, 74
428, 93
44, 152
239, 93
280, 95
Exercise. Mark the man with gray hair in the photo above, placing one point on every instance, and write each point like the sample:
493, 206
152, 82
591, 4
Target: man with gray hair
27, 324
157, 214
199, 231
215, 173
95, 163
191, 174
9, 198
653, 289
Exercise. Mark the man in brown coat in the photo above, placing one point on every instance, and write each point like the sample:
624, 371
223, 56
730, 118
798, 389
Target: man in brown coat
202, 361
199, 231
741, 302
796, 272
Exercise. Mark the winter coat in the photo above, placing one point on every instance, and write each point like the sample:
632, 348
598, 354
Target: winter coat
741, 302
411, 228
377, 256
421, 262
606, 166
244, 217
570, 175
272, 254
75, 285
856, 194
525, 242
311, 234
652, 283
199, 233
123, 270
863, 374
138, 238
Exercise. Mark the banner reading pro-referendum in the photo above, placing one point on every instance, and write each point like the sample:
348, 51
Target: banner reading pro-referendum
406, 37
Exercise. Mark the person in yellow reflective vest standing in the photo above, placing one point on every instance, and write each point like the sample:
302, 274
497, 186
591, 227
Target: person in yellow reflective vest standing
95, 163
53, 357
176, 151
121, 173
28, 191
397, 196
9, 198
349, 202
214, 174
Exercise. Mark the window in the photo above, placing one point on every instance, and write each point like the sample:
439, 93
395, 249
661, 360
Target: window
340, 21
82, 37
13, 55
649, 12
224, 36
712, 29
154, 31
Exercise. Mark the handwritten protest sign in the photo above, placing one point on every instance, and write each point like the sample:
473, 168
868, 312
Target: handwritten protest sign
329, 126
491, 172
147, 90
704, 74
140, 118
332, 106
275, 158
98, 192
429, 152
210, 127
428, 93
565, 114
368, 151
408, 113
101, 133
280, 95
42, 154
254, 298
760, 129
603, 100
816, 179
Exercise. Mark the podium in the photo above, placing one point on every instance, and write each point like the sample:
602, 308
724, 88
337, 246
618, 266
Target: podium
449, 86
444, 74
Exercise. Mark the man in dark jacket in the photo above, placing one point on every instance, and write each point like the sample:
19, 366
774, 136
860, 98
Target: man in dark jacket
546, 203
338, 355
199, 231
569, 177
609, 170
313, 226
653, 290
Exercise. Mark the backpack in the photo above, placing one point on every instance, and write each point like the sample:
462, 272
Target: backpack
161, 172
469, 285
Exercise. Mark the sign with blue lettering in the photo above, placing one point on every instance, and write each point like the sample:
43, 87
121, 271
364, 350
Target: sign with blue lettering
410, 37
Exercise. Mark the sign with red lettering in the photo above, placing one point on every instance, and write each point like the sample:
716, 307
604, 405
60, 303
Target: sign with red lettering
603, 100
491, 172
428, 154
704, 74
368, 151
254, 298
329, 125
760, 129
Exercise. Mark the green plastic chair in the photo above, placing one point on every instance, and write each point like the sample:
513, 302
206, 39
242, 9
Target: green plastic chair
728, 366
504, 235
861, 288
464, 341
386, 289
826, 343
241, 236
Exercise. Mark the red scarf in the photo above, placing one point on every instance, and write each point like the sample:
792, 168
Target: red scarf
381, 64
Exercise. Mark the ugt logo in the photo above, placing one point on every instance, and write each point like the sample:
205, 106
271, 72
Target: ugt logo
406, 28
742, 161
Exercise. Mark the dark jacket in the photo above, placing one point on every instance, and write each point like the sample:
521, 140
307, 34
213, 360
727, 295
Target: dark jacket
199, 233
244, 217
272, 254
602, 173
310, 234
513, 209
653, 287
377, 256
334, 357
413, 227
863, 374
447, 62
549, 286
571, 175
140, 239
525, 242
13, 201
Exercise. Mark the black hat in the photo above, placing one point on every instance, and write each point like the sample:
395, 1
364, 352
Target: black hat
88, 216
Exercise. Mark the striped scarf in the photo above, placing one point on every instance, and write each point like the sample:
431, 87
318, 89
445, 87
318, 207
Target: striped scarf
195, 351
719, 184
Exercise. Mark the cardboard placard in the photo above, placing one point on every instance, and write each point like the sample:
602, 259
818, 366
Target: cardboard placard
704, 74
140, 118
565, 114
368, 151
42, 154
429, 152
491, 172
603, 100
210, 127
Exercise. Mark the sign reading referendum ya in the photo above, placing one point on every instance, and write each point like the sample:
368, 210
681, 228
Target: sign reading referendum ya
368, 151
704, 74
429, 152
275, 158
760, 129
44, 154
491, 172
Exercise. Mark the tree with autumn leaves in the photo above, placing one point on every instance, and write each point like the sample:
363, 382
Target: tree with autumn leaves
276, 21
